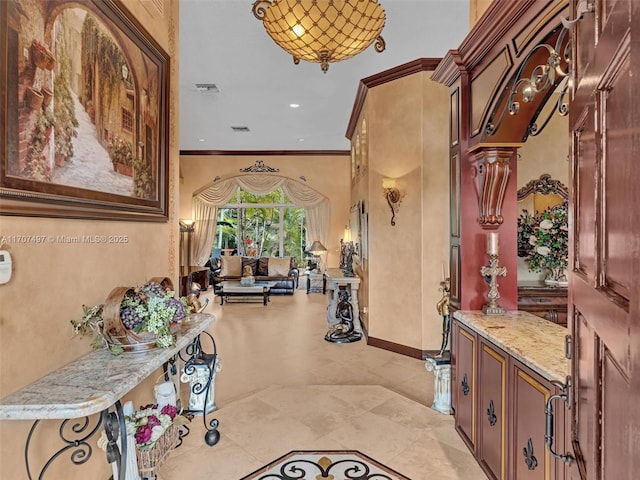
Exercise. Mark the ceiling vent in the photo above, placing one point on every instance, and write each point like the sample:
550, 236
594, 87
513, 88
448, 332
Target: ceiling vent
240, 129
207, 87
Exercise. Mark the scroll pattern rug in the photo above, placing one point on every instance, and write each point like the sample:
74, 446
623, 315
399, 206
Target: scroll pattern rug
329, 465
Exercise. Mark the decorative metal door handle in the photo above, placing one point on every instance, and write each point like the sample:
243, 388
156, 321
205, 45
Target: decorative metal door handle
529, 458
491, 414
465, 385
548, 431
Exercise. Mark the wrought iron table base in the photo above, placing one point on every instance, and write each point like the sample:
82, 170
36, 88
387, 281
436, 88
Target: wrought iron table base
113, 422
81, 450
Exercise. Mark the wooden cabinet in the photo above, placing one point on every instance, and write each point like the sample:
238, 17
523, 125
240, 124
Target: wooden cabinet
548, 302
530, 458
464, 383
492, 410
499, 404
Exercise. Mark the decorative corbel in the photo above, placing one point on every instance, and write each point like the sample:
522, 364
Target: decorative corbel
492, 168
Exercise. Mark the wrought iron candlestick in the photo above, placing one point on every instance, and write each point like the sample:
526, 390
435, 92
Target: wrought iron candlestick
491, 273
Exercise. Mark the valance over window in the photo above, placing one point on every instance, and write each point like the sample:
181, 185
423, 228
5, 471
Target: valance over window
207, 200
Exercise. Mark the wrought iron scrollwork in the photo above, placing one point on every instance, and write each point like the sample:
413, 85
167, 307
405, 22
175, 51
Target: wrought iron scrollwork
465, 385
491, 414
529, 457
75, 434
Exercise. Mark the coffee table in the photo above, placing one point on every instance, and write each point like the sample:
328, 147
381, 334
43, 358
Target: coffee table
233, 289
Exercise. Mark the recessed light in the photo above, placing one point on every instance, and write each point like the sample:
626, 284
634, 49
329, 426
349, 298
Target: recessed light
294, 105
201, 139
301, 139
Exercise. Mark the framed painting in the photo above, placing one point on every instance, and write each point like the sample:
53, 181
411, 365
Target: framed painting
84, 98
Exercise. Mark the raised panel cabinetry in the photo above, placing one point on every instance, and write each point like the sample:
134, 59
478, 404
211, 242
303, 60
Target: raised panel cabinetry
499, 404
492, 417
529, 394
464, 383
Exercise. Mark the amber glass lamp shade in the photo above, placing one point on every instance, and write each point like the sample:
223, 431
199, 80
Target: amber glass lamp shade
322, 31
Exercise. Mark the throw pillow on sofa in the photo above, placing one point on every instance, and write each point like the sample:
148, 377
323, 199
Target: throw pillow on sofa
230, 266
279, 267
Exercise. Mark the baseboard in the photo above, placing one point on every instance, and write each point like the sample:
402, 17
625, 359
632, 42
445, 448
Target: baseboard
395, 347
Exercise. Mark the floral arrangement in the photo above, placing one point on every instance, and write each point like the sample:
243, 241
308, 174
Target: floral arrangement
543, 240
149, 423
148, 308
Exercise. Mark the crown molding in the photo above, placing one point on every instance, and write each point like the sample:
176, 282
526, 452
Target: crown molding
489, 32
386, 76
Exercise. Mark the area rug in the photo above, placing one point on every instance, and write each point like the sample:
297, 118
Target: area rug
325, 464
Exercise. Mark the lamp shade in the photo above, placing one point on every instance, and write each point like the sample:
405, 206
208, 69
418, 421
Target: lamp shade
322, 31
317, 248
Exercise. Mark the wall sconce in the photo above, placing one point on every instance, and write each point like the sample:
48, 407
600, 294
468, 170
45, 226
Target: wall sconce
187, 227
393, 196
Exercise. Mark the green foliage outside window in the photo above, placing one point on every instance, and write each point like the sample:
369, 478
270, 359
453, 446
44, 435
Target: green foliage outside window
254, 230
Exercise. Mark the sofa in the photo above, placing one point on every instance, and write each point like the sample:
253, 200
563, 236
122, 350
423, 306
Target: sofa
284, 273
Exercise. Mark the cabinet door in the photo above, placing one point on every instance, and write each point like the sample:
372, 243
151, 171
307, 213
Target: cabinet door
492, 404
530, 459
464, 382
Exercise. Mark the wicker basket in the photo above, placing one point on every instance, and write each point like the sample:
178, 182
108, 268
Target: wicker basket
114, 331
151, 459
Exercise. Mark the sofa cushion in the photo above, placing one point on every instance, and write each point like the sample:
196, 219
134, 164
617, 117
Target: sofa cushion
279, 267
263, 266
251, 262
230, 265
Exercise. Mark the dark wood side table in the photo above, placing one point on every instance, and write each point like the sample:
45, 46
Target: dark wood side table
188, 275
546, 301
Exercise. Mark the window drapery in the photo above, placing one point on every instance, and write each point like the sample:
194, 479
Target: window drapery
207, 200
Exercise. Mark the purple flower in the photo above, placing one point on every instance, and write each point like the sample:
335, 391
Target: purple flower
169, 410
143, 434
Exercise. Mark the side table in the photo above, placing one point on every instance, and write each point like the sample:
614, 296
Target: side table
316, 282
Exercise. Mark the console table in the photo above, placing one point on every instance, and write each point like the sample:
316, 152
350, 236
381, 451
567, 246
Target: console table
94, 384
335, 278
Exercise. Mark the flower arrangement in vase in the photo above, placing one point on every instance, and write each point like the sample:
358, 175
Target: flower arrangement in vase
134, 319
543, 241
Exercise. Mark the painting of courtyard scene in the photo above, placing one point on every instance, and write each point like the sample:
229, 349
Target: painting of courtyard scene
85, 104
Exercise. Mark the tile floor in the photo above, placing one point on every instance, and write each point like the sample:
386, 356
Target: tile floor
283, 388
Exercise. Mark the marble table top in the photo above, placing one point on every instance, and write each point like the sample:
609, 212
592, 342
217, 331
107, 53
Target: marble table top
95, 381
534, 341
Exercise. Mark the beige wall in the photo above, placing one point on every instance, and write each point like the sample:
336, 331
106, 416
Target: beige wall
407, 131
476, 10
328, 175
51, 282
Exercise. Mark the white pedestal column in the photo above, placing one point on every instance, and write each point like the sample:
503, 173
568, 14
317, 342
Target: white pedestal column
441, 385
